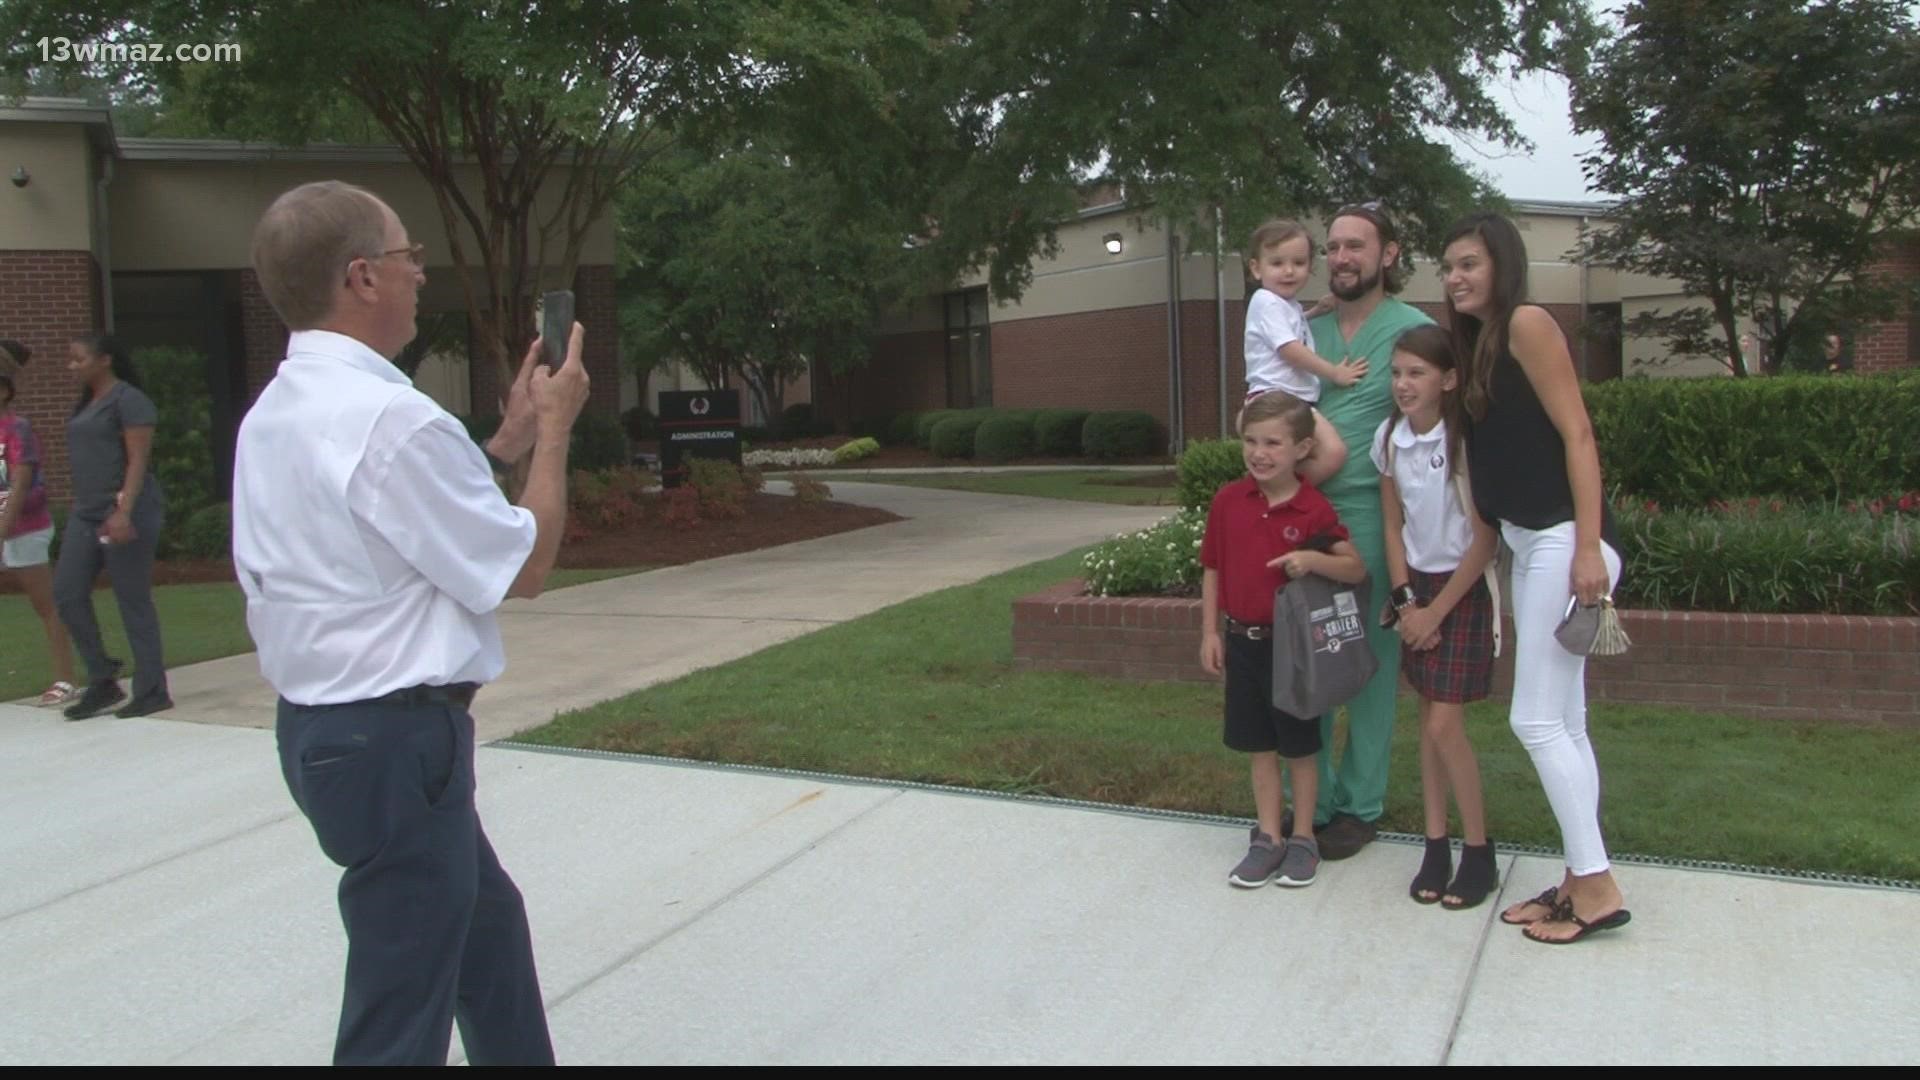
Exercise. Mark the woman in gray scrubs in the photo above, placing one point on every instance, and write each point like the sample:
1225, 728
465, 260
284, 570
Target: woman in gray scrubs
118, 509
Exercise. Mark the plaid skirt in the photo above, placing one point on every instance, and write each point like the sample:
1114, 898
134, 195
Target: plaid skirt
1460, 668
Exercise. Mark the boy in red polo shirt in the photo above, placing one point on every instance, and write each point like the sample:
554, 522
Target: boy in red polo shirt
1257, 532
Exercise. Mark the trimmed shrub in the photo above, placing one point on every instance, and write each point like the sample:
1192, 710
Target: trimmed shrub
855, 450
1003, 438
176, 380
1813, 438
640, 423
721, 488
1056, 432
923, 426
599, 443
1120, 434
903, 429
953, 436
208, 533
807, 489
1207, 466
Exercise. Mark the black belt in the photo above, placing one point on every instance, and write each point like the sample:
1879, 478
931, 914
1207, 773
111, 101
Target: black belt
460, 693
1250, 631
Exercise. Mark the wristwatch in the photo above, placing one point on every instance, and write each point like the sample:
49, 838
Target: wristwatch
499, 466
1402, 597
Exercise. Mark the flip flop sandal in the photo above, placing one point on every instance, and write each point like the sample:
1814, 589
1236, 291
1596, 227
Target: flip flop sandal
58, 694
1547, 899
1477, 877
1434, 869
1563, 912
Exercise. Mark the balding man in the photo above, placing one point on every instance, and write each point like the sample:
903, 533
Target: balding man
374, 548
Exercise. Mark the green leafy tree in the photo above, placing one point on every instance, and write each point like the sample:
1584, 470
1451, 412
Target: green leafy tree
495, 104
1764, 152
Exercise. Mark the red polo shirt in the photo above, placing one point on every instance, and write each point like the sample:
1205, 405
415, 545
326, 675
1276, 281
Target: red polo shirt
1244, 534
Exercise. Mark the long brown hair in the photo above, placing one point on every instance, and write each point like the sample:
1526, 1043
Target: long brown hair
1480, 344
1433, 344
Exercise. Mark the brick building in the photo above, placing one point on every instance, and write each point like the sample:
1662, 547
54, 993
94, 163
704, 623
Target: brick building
1115, 321
149, 238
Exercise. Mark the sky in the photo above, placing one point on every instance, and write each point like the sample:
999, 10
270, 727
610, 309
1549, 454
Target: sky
1538, 104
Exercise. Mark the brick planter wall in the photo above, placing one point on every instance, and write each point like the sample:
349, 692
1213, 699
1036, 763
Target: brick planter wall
1789, 667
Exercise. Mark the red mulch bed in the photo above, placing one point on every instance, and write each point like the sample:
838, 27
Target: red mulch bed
770, 520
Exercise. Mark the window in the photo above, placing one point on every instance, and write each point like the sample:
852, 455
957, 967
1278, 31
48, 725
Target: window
969, 355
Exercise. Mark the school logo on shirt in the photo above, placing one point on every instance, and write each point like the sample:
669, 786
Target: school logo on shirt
1292, 533
1439, 460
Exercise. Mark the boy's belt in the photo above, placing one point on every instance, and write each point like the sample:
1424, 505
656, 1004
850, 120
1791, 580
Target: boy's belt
1250, 631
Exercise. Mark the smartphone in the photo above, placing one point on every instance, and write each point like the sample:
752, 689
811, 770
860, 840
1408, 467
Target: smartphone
556, 326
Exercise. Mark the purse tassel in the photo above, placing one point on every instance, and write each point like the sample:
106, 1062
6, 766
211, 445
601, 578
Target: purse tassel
1612, 640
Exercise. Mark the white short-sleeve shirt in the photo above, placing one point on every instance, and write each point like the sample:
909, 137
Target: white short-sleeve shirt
369, 536
1273, 321
1436, 531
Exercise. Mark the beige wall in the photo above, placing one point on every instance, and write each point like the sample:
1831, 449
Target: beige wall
52, 212
199, 215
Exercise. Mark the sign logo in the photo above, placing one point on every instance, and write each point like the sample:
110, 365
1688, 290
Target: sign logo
699, 406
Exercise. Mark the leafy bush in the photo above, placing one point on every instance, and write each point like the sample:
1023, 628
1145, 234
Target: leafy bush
599, 442
1687, 442
807, 489
857, 449
1122, 434
1003, 438
1056, 432
903, 430
953, 436
720, 487
207, 533
801, 420
923, 424
1163, 559
640, 423
609, 500
1772, 556
176, 380
1207, 466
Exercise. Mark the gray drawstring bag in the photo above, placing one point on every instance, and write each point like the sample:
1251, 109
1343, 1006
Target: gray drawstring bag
1321, 658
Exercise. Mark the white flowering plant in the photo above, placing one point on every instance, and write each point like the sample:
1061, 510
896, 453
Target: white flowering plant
788, 459
1161, 560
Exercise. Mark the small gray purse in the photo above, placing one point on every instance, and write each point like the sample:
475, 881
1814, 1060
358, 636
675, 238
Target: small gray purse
1592, 629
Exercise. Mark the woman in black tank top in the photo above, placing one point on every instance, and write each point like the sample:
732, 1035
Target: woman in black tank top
1536, 472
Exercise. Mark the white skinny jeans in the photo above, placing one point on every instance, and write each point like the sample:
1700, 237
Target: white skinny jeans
1549, 714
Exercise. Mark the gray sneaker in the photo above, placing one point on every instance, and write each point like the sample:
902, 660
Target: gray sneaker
1299, 861
1260, 865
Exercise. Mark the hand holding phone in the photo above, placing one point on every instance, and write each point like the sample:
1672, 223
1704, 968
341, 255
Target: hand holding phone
556, 326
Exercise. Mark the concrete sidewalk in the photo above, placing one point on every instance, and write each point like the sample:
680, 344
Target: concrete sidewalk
578, 646
160, 902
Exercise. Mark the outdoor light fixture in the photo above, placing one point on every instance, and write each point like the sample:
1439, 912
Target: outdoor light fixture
20, 177
1113, 243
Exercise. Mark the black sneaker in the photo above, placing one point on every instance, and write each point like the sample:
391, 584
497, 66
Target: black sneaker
1344, 836
96, 700
146, 704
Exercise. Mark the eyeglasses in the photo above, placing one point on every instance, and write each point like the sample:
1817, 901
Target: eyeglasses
1371, 206
415, 253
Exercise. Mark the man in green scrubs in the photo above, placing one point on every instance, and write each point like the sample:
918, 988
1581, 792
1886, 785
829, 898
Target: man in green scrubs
1363, 267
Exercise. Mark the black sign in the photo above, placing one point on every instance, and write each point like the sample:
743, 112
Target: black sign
697, 423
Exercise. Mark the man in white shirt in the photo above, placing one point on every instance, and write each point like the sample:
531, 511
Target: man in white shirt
374, 548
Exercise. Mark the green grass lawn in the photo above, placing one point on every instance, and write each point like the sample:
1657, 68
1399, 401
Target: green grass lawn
197, 622
1108, 486
926, 691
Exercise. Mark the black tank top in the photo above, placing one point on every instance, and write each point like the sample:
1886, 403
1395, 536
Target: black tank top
1517, 459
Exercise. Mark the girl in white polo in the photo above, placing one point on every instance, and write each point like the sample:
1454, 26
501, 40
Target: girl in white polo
1438, 551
